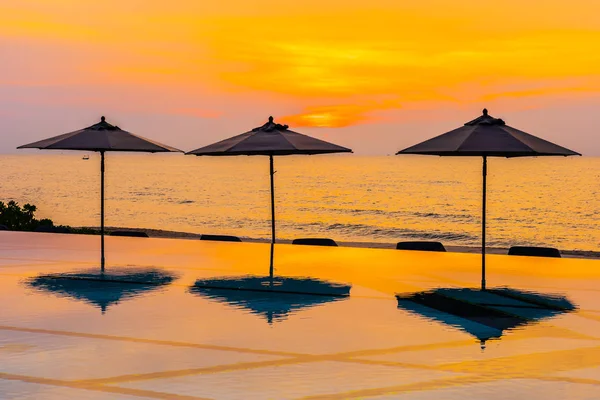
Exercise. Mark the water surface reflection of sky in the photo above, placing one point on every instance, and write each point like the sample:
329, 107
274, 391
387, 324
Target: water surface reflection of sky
171, 341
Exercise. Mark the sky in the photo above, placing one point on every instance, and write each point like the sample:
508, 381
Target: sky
376, 76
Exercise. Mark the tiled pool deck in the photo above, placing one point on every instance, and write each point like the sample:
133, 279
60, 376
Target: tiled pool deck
168, 336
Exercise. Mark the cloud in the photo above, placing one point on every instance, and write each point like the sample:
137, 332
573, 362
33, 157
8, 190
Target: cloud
196, 112
323, 64
338, 116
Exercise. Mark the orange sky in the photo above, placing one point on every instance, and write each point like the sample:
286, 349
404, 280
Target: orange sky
376, 76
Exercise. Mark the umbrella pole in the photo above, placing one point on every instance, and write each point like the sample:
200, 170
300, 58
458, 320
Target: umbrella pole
483, 223
102, 211
272, 213
271, 272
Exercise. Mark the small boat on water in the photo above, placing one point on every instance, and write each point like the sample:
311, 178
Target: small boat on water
86, 157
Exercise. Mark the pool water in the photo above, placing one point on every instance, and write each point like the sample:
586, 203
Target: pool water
184, 319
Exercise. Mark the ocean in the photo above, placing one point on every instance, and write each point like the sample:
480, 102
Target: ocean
546, 201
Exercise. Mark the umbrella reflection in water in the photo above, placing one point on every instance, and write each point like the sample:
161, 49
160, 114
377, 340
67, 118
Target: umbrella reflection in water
484, 314
271, 297
103, 289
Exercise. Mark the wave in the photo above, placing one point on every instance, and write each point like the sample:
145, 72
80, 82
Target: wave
370, 231
398, 213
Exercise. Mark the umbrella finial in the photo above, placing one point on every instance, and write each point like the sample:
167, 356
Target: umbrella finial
271, 120
485, 111
102, 119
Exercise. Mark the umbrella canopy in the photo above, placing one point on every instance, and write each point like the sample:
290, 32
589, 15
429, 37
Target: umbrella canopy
273, 299
271, 139
485, 137
488, 136
100, 137
103, 289
484, 315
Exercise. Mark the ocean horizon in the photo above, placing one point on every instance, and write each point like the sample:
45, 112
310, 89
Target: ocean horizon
547, 201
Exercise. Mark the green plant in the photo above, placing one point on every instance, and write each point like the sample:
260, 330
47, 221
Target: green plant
18, 218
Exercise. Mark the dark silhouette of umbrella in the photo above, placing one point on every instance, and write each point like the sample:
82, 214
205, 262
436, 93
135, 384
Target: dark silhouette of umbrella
103, 289
484, 314
100, 137
271, 298
271, 139
485, 137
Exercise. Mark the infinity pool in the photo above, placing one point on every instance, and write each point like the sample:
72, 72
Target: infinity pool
178, 319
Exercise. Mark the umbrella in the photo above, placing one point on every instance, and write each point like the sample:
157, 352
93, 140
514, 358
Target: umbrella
484, 314
102, 289
485, 137
100, 137
271, 139
274, 299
